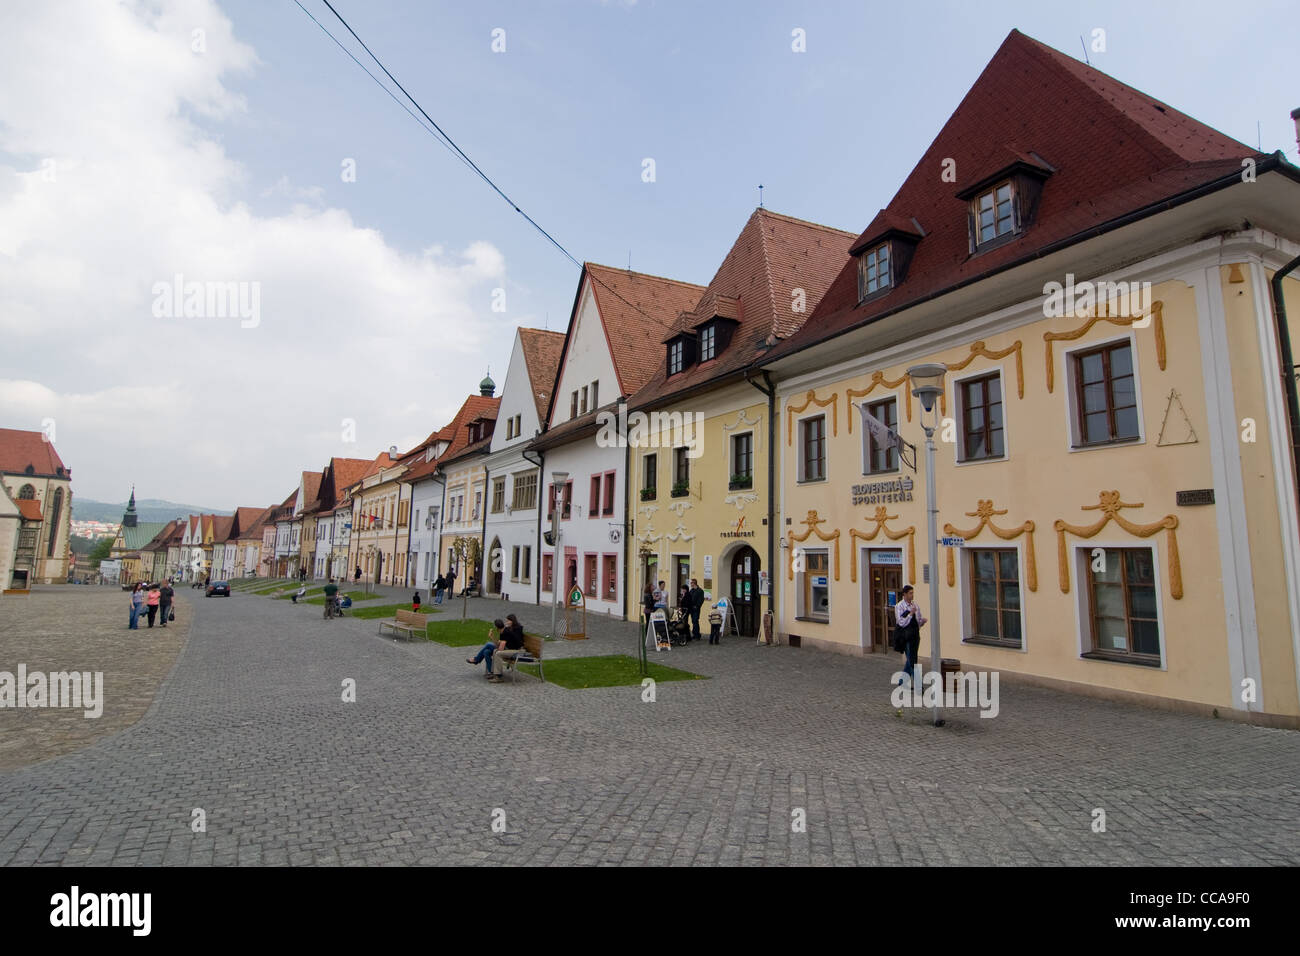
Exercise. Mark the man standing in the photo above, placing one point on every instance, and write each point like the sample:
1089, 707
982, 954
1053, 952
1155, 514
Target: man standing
451, 582
661, 597
909, 619
695, 601
165, 595
331, 599
356, 579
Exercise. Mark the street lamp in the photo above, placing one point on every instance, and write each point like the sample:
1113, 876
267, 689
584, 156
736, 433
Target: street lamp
558, 481
927, 386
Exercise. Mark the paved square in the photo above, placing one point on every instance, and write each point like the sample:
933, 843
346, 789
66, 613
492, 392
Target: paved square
251, 727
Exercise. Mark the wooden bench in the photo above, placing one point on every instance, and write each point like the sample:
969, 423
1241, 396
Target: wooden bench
530, 653
407, 622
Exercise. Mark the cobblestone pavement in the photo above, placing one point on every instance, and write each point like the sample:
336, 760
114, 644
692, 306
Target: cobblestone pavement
49, 631
251, 728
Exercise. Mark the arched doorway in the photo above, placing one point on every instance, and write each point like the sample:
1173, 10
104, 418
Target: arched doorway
495, 561
744, 590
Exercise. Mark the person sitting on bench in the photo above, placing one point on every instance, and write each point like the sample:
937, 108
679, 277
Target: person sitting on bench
495, 641
511, 644
298, 593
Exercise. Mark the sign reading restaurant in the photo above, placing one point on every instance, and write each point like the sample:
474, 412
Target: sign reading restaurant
882, 492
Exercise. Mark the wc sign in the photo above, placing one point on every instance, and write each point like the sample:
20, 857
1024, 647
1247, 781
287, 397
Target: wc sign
953, 542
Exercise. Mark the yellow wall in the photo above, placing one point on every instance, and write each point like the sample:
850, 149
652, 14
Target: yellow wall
710, 519
1041, 480
1242, 306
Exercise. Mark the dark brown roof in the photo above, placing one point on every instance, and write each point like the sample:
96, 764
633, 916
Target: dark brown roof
542, 351
1114, 151
772, 256
475, 408
20, 449
637, 310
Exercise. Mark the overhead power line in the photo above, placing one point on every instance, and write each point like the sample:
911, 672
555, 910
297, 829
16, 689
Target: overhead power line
437, 132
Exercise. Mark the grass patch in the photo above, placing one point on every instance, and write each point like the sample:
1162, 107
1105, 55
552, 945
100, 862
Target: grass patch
614, 670
357, 598
468, 633
385, 610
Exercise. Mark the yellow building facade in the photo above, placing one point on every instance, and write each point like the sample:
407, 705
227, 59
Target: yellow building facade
1155, 566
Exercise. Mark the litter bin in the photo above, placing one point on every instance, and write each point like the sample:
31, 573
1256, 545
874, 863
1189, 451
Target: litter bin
948, 665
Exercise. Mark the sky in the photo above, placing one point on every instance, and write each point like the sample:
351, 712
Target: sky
375, 277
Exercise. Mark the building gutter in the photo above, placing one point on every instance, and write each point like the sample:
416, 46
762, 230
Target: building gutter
768, 388
1288, 368
1274, 162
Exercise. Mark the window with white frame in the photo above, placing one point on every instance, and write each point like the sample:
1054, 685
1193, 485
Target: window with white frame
1103, 395
812, 448
873, 270
813, 594
879, 457
980, 413
1123, 613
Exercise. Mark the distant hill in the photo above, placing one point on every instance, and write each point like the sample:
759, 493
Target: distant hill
149, 509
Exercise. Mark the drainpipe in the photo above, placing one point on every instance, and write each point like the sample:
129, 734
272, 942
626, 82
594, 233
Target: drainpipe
483, 557
627, 524
1288, 360
768, 388
537, 549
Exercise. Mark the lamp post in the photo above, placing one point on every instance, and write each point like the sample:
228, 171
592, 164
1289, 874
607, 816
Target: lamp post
558, 480
927, 386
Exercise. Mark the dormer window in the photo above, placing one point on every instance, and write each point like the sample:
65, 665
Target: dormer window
708, 342
873, 271
1004, 204
995, 213
676, 356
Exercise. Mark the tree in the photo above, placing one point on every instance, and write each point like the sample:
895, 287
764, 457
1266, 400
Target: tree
102, 549
468, 551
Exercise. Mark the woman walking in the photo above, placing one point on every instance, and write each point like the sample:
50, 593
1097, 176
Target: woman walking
137, 604
151, 601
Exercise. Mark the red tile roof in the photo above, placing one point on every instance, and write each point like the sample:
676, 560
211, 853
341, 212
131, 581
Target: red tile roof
221, 525
637, 310
1114, 150
30, 509
19, 449
542, 351
772, 256
475, 408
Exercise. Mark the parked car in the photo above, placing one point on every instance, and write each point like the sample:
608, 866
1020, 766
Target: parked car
219, 587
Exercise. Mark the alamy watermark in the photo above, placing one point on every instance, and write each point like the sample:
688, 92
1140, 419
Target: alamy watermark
179, 299
969, 689
73, 689
622, 429
1117, 299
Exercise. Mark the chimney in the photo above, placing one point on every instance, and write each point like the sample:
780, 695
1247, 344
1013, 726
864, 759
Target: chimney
1295, 115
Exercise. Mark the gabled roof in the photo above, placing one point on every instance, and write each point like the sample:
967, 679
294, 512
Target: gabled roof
754, 285
475, 408
637, 311
542, 351
244, 521
1114, 152
221, 526
165, 534
20, 449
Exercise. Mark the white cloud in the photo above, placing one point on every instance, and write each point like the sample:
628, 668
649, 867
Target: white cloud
116, 181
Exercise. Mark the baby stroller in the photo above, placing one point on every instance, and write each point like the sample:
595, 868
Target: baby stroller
679, 627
